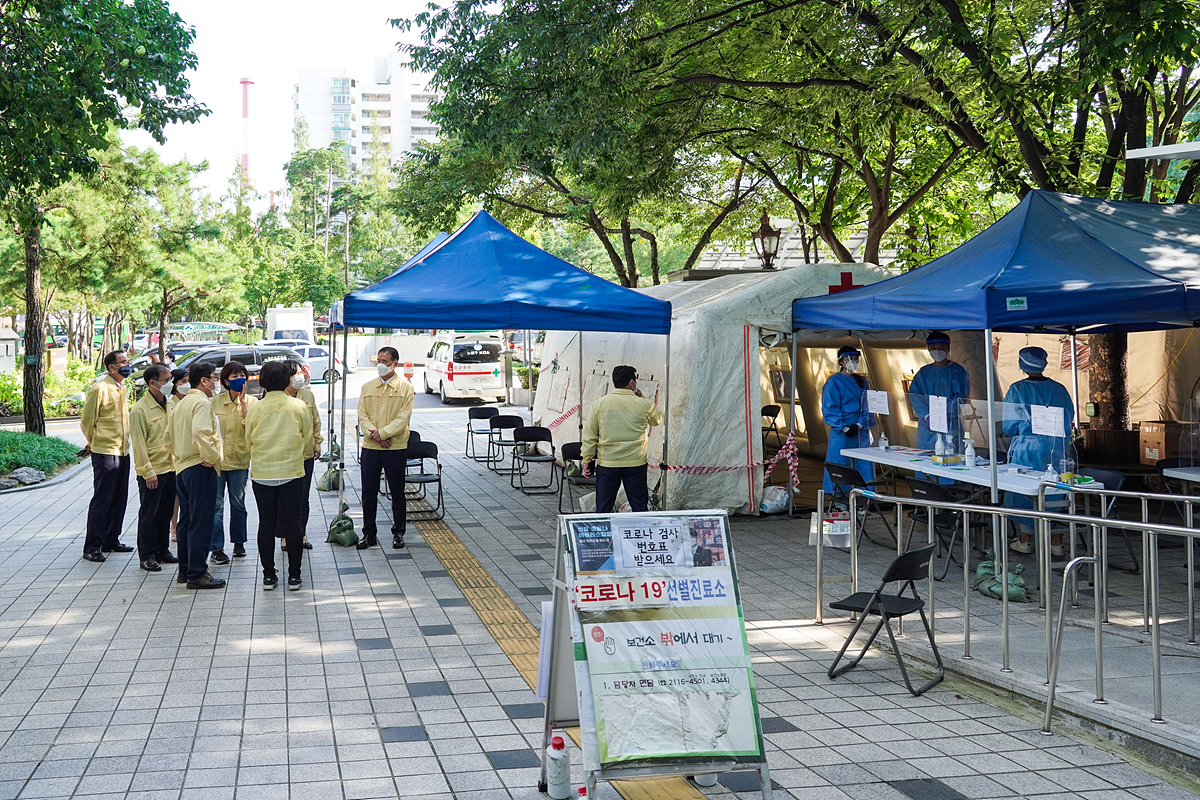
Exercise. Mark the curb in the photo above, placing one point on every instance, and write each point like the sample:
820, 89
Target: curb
62, 477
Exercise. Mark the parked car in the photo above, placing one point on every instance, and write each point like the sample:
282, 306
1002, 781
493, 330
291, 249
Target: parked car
516, 344
221, 354
466, 365
317, 356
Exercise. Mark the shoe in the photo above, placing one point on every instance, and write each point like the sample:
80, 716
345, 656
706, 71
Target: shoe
219, 558
366, 544
180, 577
239, 551
1057, 550
397, 542
150, 565
166, 558
117, 548
97, 557
307, 544
206, 581
294, 584
1017, 546
270, 583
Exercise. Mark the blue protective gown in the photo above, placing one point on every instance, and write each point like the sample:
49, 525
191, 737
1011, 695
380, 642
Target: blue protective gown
950, 381
1028, 448
844, 403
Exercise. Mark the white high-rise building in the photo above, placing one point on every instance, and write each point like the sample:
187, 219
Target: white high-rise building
380, 114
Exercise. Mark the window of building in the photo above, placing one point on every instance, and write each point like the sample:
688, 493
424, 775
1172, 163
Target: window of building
378, 114
376, 98
424, 131
420, 114
341, 119
341, 99
341, 85
341, 134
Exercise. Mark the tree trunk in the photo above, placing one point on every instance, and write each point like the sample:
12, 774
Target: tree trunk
35, 334
162, 330
1108, 376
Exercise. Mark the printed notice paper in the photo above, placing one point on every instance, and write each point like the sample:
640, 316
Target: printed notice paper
1047, 421
937, 414
877, 401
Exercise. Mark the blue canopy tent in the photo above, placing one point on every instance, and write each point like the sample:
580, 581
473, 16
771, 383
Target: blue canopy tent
1055, 263
484, 276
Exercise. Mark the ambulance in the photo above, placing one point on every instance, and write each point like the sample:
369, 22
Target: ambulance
466, 364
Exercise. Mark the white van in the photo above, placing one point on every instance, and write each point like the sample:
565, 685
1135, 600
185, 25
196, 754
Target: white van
466, 364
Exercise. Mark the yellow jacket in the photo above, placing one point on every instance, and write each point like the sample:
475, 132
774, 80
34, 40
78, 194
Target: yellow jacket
616, 431
236, 453
148, 429
387, 408
192, 432
279, 433
310, 400
105, 418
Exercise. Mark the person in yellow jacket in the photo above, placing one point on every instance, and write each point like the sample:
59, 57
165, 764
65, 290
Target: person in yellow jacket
105, 425
297, 389
384, 412
196, 448
279, 432
230, 409
155, 469
616, 434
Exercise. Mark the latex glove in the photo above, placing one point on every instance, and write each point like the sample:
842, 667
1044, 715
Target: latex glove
851, 431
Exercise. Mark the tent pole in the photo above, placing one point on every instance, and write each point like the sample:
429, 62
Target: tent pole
342, 452
992, 471
529, 375
332, 386
792, 430
580, 382
662, 466
1075, 372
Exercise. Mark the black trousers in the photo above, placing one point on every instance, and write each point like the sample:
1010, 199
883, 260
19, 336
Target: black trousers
309, 463
374, 462
609, 480
280, 513
197, 490
110, 493
154, 516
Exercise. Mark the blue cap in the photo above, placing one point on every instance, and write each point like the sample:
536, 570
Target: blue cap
1032, 360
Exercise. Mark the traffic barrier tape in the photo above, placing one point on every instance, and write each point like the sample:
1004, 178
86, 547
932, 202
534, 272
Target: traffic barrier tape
563, 417
789, 450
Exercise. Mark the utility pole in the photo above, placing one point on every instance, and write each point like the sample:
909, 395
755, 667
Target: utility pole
328, 197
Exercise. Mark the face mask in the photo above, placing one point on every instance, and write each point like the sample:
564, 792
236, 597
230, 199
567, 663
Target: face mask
183, 388
383, 369
852, 364
938, 356
298, 380
125, 371
237, 384
166, 389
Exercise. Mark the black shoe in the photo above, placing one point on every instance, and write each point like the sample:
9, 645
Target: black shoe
366, 543
180, 577
307, 545
270, 583
219, 558
166, 558
206, 581
97, 557
117, 548
294, 584
150, 565
239, 551
398, 541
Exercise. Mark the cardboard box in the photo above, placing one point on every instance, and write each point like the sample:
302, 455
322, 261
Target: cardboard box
1159, 439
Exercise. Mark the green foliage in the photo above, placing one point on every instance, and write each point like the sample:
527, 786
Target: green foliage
523, 373
10, 394
45, 453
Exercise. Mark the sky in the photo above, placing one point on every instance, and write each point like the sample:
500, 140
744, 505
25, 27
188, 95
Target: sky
269, 42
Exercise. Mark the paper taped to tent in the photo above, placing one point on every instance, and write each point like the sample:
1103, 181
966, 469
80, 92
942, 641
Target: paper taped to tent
729, 358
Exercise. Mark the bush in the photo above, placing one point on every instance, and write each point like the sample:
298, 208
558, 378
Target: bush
46, 453
523, 374
11, 401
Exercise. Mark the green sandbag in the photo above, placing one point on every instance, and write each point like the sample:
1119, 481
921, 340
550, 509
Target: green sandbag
341, 530
330, 480
991, 586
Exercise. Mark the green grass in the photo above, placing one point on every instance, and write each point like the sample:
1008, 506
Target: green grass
47, 453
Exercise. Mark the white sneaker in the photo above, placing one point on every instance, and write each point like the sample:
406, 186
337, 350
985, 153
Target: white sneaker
1057, 550
1017, 546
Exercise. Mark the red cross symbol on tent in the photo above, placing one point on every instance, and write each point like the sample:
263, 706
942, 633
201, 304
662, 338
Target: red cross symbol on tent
846, 284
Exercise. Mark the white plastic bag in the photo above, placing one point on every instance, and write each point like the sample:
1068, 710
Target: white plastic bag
774, 500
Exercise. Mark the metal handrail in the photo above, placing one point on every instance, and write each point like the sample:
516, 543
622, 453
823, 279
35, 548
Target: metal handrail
1000, 516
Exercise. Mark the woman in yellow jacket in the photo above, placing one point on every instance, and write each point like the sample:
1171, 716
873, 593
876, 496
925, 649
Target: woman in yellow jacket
278, 433
230, 408
298, 390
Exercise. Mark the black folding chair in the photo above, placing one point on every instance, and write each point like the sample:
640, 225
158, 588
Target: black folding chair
524, 457
1112, 479
906, 568
845, 479
944, 521
420, 452
500, 428
771, 413
480, 413
386, 490
571, 453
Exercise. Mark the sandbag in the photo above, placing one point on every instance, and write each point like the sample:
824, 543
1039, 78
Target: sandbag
330, 480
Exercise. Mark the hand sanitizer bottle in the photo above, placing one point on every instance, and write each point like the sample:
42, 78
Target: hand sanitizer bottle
1050, 475
883, 440
969, 450
939, 449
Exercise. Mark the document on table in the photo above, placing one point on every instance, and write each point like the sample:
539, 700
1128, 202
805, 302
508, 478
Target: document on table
937, 414
877, 401
1047, 421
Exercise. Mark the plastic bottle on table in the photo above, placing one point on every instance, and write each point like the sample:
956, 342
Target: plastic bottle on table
558, 769
883, 441
1050, 475
968, 450
939, 448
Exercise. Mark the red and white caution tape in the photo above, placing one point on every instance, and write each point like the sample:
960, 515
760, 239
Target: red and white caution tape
563, 417
788, 451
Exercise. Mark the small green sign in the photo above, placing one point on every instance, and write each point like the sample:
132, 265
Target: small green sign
30, 359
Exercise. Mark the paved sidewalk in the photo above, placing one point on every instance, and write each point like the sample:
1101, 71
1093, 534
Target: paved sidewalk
379, 679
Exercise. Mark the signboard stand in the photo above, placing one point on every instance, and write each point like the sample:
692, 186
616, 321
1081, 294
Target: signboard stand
648, 653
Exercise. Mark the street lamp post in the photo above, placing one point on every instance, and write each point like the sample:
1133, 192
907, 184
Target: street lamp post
766, 241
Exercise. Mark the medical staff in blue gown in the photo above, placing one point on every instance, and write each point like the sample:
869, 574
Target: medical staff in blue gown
943, 378
1030, 449
844, 407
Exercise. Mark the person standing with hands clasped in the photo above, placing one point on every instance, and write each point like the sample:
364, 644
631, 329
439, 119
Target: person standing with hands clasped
616, 434
384, 412
197, 450
155, 469
297, 389
230, 409
105, 425
279, 433
844, 407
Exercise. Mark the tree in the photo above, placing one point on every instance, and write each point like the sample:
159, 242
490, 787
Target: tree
72, 69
